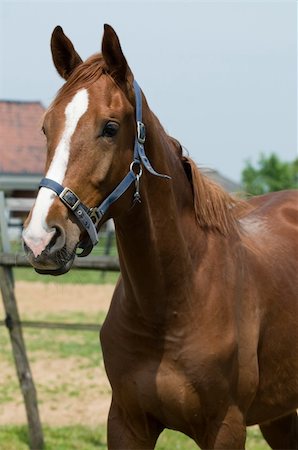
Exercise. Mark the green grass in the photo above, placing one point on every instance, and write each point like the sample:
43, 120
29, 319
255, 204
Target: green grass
59, 343
84, 438
8, 390
73, 276
83, 345
62, 438
171, 440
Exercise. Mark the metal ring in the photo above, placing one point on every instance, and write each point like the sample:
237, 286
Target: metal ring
131, 168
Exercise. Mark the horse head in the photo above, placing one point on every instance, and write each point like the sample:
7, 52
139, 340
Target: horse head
90, 130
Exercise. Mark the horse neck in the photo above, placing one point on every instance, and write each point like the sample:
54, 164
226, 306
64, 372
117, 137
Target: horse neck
154, 238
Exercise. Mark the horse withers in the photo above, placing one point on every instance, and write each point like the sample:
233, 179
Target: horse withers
201, 334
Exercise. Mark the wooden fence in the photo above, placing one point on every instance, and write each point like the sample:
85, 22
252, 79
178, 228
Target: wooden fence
14, 323
104, 263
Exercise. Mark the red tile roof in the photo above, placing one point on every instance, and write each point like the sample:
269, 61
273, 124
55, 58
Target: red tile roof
22, 144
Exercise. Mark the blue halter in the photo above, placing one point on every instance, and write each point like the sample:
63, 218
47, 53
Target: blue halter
89, 218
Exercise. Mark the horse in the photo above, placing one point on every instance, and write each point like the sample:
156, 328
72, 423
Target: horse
200, 336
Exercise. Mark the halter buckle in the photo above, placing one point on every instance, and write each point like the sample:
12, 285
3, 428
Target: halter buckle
141, 132
95, 216
69, 198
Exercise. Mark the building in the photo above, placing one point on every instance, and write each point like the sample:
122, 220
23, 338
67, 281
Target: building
226, 183
22, 157
22, 147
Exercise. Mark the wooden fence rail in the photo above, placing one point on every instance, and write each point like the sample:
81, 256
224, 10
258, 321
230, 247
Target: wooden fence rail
103, 263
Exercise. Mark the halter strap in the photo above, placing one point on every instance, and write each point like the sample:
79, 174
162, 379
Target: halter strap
72, 201
89, 218
139, 150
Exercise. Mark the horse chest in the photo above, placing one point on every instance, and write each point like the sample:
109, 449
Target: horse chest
171, 379
177, 396
165, 392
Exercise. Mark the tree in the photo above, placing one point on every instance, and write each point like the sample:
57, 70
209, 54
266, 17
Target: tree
271, 174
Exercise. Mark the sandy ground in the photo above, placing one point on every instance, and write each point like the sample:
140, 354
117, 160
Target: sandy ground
68, 392
54, 298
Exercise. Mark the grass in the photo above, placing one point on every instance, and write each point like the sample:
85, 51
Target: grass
87, 348
59, 343
60, 438
8, 390
73, 276
85, 438
84, 346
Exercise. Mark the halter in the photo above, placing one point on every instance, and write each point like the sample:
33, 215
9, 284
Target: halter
89, 218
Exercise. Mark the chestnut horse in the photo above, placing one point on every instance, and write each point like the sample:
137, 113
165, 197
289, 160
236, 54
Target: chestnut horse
201, 334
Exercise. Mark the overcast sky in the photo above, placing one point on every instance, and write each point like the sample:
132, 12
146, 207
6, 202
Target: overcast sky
220, 75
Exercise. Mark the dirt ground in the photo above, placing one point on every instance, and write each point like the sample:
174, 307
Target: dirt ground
69, 392
54, 298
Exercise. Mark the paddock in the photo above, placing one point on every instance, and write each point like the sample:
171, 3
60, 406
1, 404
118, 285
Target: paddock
85, 396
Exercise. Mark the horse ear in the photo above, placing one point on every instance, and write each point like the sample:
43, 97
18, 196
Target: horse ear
64, 55
113, 56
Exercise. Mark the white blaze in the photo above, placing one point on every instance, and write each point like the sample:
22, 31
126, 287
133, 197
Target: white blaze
37, 235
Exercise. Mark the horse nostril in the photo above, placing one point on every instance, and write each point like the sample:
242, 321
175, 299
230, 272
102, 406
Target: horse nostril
58, 240
26, 247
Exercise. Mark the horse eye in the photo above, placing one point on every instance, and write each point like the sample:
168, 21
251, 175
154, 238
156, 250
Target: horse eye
110, 129
43, 130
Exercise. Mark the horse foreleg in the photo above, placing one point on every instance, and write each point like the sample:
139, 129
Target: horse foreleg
282, 433
127, 433
231, 432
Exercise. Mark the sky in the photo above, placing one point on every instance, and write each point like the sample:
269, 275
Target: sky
220, 75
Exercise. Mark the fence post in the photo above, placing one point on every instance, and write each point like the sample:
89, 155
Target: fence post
12, 321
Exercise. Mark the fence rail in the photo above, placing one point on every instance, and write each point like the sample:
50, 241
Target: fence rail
103, 263
10, 323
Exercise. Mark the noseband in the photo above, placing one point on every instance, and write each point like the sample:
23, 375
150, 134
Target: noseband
89, 218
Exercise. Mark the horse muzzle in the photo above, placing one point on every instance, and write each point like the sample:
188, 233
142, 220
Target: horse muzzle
54, 258
55, 272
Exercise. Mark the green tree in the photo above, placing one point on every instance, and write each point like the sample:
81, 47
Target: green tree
271, 174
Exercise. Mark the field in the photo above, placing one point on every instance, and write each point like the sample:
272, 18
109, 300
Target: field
67, 366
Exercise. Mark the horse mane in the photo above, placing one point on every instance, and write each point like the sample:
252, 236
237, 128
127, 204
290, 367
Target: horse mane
215, 209
83, 76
